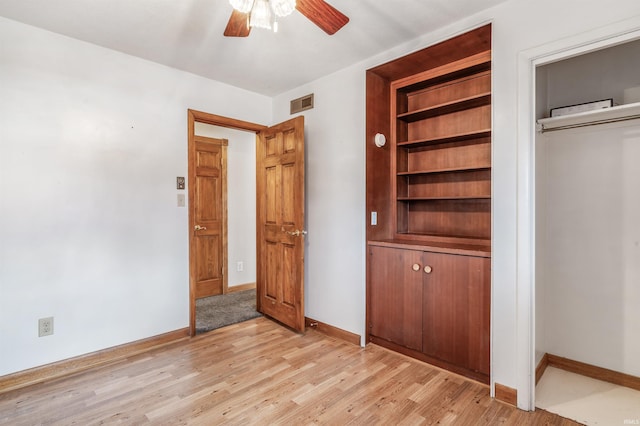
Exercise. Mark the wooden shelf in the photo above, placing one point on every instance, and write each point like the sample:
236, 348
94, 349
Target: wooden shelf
445, 170
452, 197
470, 65
478, 134
446, 108
441, 244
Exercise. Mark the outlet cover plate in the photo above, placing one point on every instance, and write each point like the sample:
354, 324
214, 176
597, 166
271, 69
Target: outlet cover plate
45, 327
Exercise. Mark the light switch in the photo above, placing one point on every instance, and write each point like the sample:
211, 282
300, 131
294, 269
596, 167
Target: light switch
180, 182
180, 200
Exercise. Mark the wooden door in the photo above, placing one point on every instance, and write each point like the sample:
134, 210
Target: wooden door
456, 310
207, 216
280, 230
396, 296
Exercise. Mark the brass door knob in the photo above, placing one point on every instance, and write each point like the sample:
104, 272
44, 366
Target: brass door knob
200, 228
415, 267
428, 269
296, 233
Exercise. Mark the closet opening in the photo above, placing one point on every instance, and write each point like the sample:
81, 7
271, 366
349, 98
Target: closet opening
586, 177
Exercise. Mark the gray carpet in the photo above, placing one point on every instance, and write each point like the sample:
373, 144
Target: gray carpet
218, 311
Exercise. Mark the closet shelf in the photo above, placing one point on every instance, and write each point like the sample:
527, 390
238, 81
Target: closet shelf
590, 118
446, 108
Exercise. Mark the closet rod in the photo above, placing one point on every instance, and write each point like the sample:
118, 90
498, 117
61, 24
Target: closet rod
542, 129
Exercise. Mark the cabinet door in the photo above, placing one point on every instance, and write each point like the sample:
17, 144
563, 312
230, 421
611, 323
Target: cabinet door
396, 296
456, 310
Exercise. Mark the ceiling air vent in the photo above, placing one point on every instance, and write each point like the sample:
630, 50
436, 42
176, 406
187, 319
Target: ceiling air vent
302, 104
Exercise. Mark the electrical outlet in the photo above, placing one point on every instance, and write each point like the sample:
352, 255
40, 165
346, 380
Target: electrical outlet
240, 266
45, 327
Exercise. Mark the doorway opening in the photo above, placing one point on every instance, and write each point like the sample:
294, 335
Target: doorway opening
587, 233
240, 260
573, 200
239, 257
280, 171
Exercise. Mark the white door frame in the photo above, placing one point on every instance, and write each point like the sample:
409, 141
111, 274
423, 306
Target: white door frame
528, 60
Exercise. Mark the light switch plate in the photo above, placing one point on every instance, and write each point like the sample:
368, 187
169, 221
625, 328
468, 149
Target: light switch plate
180, 182
180, 200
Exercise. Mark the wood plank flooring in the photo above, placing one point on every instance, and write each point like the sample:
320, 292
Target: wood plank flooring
259, 372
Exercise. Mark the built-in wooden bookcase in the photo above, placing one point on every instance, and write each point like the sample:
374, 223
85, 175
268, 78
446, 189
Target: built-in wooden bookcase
441, 152
429, 204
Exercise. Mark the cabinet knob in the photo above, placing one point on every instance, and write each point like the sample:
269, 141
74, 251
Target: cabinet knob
428, 269
415, 267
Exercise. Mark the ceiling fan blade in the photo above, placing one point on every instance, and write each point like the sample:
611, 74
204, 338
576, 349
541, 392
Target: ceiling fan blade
321, 13
237, 25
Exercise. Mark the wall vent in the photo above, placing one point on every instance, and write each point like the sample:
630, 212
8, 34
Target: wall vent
302, 104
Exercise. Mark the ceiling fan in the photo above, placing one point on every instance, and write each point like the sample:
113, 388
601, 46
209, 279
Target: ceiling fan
321, 13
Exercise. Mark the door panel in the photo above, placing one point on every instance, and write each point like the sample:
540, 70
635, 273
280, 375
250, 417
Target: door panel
456, 310
280, 203
271, 194
207, 213
207, 191
289, 275
396, 295
288, 194
209, 269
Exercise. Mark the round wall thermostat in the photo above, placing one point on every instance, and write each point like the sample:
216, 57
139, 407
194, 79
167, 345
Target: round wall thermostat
379, 140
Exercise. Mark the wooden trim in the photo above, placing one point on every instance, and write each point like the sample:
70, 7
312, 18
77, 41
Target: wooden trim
225, 215
218, 120
594, 372
216, 141
332, 331
191, 135
506, 394
542, 366
482, 58
241, 287
88, 361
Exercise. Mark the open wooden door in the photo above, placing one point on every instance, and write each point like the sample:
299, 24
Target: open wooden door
280, 215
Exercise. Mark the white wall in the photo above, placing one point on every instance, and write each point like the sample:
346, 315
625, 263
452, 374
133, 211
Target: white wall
602, 74
588, 253
592, 250
241, 200
335, 145
335, 199
91, 143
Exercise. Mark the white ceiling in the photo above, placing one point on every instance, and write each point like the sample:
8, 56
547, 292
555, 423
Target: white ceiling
187, 34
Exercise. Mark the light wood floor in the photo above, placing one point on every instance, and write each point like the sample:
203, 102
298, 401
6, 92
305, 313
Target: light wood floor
258, 372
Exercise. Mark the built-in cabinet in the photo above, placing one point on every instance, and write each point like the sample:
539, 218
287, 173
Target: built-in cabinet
433, 303
429, 204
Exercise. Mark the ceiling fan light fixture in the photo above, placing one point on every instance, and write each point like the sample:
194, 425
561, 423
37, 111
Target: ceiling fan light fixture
243, 6
261, 15
283, 8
